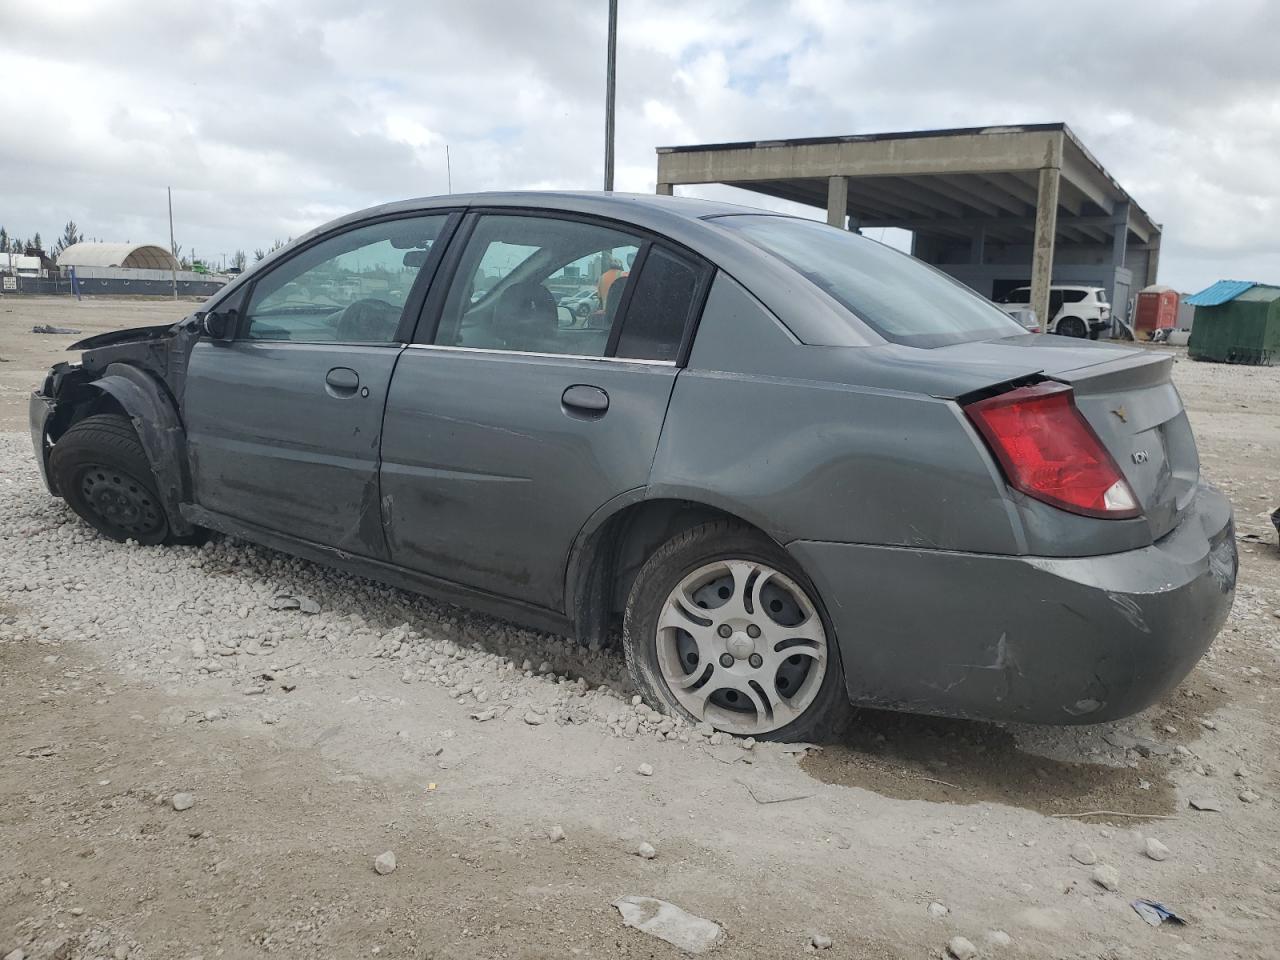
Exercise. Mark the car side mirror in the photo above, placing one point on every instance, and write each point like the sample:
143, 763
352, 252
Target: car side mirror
219, 325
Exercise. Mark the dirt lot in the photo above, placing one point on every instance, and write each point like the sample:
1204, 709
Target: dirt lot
312, 743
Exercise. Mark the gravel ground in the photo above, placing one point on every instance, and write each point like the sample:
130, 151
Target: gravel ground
503, 769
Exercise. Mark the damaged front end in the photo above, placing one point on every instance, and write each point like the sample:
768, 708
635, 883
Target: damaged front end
139, 373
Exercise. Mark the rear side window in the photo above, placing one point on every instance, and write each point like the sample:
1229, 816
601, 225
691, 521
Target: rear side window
902, 299
665, 295
1073, 296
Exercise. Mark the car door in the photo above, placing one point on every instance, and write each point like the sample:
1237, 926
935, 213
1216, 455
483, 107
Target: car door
284, 420
509, 422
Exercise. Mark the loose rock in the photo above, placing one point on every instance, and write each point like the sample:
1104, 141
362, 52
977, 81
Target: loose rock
937, 910
384, 863
998, 938
533, 719
644, 850
1248, 796
1106, 877
183, 801
556, 833
645, 770
1156, 850
820, 941
1083, 853
961, 949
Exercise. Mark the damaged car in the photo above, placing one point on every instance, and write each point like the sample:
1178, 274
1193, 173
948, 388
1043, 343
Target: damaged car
795, 468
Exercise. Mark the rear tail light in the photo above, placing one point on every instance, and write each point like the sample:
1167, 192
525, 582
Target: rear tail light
1048, 451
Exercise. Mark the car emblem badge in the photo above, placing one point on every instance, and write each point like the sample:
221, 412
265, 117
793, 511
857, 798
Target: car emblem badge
1139, 456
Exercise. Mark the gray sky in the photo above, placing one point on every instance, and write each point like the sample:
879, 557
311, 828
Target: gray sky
269, 118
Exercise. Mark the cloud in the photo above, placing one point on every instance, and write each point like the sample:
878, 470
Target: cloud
268, 118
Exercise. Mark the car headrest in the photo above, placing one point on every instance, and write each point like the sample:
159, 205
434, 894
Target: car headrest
526, 307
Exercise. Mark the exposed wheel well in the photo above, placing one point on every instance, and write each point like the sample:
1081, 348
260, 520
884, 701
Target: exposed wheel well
77, 401
602, 572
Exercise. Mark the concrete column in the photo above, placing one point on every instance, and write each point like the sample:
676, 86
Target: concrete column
1042, 248
837, 200
1153, 259
1119, 234
665, 190
978, 246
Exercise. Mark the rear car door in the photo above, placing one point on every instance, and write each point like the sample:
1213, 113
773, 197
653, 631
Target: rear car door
511, 421
284, 420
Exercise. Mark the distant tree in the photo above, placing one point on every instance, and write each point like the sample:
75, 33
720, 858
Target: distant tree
277, 244
259, 255
185, 263
36, 244
17, 246
71, 235
4, 240
237, 260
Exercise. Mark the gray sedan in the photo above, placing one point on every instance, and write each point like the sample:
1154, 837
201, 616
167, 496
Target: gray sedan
795, 467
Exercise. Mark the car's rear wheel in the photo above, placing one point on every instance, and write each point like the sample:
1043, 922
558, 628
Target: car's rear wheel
103, 473
1072, 327
722, 627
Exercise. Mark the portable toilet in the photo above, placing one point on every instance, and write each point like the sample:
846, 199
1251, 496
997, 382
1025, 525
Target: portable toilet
1157, 309
1237, 321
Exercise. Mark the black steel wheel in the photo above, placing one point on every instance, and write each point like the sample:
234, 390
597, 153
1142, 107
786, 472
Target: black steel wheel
103, 473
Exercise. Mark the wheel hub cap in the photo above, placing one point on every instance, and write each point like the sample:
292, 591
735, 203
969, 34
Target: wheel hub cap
741, 646
120, 500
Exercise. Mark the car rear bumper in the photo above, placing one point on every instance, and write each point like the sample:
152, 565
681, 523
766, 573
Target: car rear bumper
40, 411
1035, 639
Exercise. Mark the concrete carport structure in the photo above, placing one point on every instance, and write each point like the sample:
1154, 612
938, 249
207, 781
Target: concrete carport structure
995, 207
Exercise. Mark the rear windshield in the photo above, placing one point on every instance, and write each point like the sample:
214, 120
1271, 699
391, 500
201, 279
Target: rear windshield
901, 298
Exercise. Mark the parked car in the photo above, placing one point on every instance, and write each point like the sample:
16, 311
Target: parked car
1073, 311
581, 303
797, 467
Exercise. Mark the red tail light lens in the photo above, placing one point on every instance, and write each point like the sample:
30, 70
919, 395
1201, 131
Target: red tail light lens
1048, 451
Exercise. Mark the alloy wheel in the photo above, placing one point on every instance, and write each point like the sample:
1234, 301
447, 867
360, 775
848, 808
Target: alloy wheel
741, 646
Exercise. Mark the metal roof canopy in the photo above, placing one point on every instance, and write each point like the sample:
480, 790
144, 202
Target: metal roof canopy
1030, 184
1223, 291
148, 256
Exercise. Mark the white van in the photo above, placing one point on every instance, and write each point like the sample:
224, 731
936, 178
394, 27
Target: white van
1073, 311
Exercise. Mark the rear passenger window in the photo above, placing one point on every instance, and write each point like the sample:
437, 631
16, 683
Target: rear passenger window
1073, 296
664, 297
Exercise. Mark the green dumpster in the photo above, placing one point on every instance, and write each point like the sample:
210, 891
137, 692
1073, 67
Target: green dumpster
1236, 322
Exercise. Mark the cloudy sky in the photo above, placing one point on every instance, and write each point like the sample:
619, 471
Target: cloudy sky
268, 118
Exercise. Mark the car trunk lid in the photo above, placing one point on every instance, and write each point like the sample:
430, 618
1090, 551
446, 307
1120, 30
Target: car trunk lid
1136, 411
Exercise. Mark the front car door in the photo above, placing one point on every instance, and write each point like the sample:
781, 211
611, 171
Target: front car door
509, 421
284, 421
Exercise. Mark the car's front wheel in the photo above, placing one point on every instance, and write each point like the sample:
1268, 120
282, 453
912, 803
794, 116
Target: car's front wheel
722, 627
103, 473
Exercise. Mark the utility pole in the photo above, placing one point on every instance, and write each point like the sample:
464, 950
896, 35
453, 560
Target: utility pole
173, 250
610, 86
448, 168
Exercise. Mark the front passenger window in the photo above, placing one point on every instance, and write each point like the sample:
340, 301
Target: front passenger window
350, 288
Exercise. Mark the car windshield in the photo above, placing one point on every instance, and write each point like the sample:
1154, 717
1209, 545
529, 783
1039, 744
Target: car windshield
902, 299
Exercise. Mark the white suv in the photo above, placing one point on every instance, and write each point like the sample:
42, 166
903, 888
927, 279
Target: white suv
1073, 311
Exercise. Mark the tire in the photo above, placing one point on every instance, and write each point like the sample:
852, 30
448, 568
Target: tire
1072, 327
802, 693
103, 473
